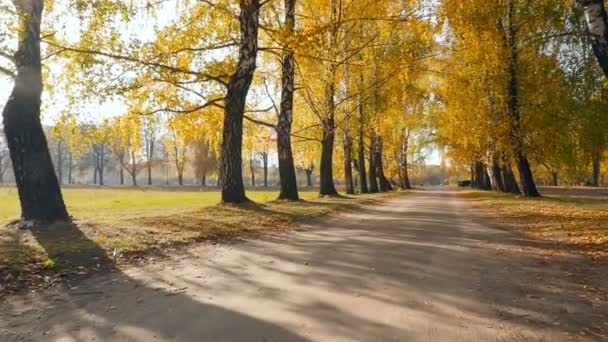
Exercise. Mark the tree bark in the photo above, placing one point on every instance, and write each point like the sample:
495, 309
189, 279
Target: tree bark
405, 173
101, 164
149, 156
373, 182
597, 25
70, 167
385, 185
287, 170
265, 168
596, 169
495, 173
59, 162
327, 187
348, 164
231, 163
361, 142
39, 192
554, 178
509, 180
309, 171
252, 169
523, 165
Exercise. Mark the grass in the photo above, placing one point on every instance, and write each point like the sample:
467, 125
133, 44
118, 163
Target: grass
579, 224
135, 221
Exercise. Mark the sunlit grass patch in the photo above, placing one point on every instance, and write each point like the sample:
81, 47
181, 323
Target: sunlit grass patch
125, 221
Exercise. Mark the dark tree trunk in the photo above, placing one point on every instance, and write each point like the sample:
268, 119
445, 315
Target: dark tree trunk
361, 144
1, 169
496, 177
265, 166
596, 169
38, 187
101, 163
204, 180
554, 178
309, 171
95, 169
59, 162
523, 166
231, 163
373, 181
287, 170
509, 180
406, 176
385, 185
327, 187
150, 154
133, 170
252, 169
122, 175
70, 167
180, 178
482, 179
348, 165
597, 25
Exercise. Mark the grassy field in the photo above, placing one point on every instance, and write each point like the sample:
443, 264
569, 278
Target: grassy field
105, 205
126, 222
579, 223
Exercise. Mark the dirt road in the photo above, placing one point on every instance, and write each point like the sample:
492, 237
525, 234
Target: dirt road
420, 267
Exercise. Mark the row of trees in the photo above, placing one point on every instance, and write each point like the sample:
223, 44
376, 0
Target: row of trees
316, 74
522, 91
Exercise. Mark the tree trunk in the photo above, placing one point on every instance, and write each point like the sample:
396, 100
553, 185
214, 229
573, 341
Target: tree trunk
597, 25
596, 169
180, 178
554, 178
496, 176
133, 169
38, 187
309, 177
101, 163
405, 173
70, 167
150, 154
122, 175
407, 184
95, 170
385, 185
348, 164
265, 168
327, 187
361, 143
204, 180
149, 174
231, 164
287, 170
252, 169
523, 165
373, 182
329, 135
509, 180
59, 163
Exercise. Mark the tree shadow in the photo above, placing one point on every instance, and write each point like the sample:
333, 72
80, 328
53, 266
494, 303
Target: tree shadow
117, 306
